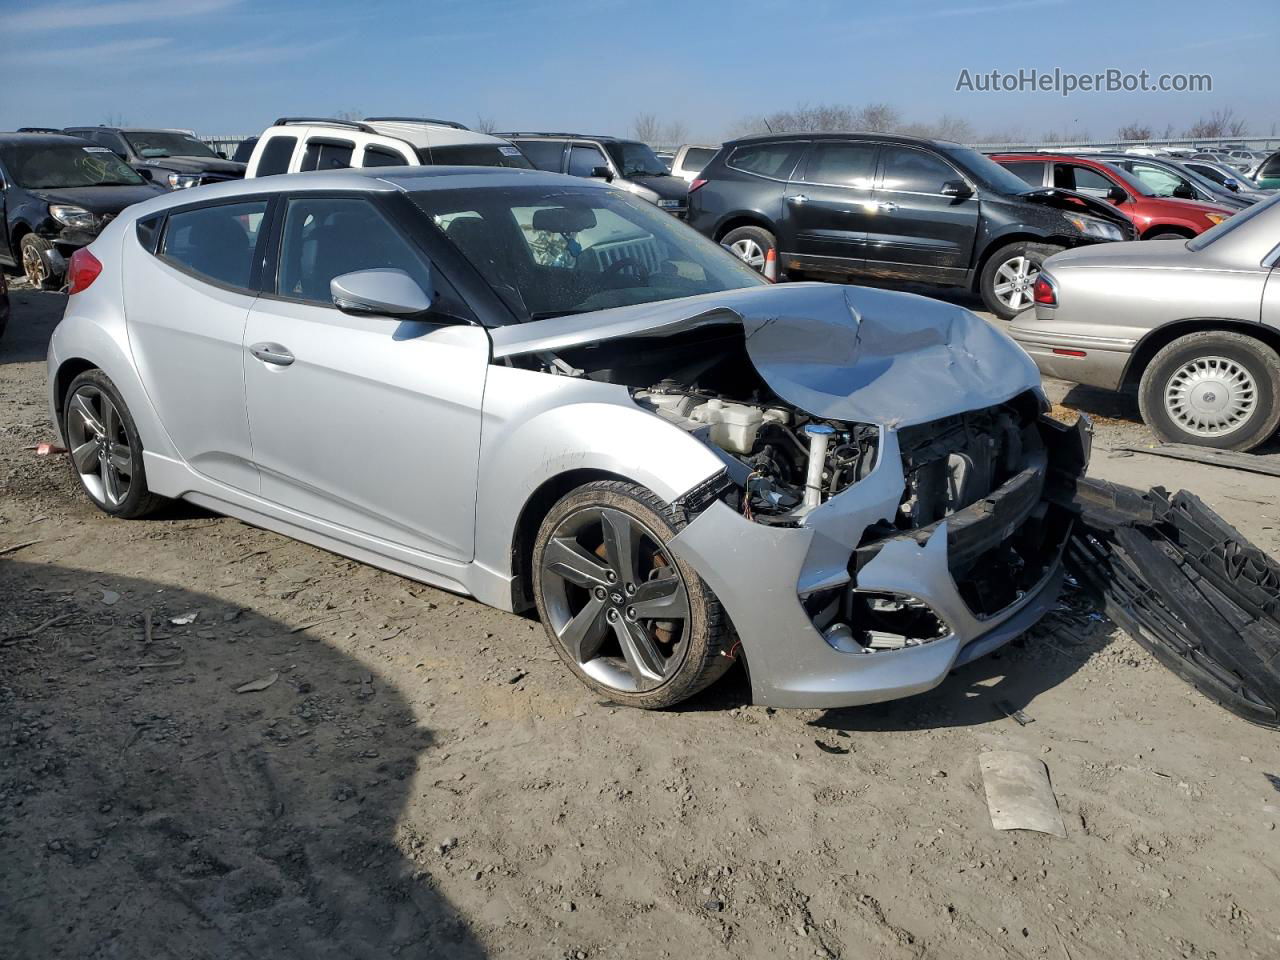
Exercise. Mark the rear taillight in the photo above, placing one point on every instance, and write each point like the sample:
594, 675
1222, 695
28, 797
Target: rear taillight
1044, 292
697, 184
83, 270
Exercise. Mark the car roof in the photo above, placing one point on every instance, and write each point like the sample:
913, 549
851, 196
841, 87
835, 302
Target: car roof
90, 126
52, 139
416, 133
542, 134
854, 135
367, 180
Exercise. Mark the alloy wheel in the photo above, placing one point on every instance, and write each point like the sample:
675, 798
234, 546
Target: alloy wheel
749, 252
1014, 280
1210, 396
616, 601
99, 445
34, 267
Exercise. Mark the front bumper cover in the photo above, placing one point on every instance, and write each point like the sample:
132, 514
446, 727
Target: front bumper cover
760, 573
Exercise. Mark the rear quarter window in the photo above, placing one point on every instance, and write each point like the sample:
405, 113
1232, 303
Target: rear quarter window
276, 155
543, 154
216, 243
773, 160
1028, 171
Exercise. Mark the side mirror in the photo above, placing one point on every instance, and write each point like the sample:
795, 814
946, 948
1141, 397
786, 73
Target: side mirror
379, 293
602, 173
145, 173
1116, 195
1183, 191
1231, 184
956, 188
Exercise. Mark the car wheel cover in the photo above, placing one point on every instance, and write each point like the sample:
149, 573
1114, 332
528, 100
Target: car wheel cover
33, 265
615, 600
99, 446
1210, 396
749, 252
1014, 281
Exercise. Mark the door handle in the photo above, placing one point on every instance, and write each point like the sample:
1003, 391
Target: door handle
798, 198
272, 353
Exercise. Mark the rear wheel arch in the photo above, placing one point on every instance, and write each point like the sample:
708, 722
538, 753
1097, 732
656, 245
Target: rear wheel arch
743, 220
1167, 231
68, 370
1161, 337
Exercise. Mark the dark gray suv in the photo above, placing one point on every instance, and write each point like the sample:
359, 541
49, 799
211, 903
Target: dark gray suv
627, 164
876, 206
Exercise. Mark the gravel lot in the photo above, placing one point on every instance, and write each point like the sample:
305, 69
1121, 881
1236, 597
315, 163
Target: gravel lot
423, 778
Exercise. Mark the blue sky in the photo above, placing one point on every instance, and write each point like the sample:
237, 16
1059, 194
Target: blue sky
231, 66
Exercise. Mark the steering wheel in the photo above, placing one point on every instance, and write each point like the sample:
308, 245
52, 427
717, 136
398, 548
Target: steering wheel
619, 265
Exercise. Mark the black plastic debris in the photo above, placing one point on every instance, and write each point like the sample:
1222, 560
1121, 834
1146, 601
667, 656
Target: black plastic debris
1188, 587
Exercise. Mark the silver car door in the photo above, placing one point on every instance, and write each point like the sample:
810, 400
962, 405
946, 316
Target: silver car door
368, 425
187, 304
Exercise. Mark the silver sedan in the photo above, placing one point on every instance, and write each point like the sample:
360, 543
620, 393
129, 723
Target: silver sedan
1192, 325
547, 394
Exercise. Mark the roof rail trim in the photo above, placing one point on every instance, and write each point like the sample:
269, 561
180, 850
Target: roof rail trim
442, 123
354, 124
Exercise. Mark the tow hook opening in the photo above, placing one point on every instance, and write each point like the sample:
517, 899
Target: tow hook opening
867, 621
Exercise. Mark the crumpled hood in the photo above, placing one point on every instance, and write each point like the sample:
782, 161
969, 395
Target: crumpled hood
841, 353
227, 168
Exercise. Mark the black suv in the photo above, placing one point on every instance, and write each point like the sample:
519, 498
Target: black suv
172, 158
877, 206
628, 164
56, 195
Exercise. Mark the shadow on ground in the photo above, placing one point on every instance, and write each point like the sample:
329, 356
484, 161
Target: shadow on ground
32, 316
149, 810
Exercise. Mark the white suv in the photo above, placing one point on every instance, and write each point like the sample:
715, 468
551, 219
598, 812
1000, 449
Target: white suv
294, 144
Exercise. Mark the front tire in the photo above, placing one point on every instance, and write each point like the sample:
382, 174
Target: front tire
1212, 389
37, 262
629, 618
751, 245
104, 449
1009, 274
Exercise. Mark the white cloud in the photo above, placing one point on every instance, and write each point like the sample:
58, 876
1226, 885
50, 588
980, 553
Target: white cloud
91, 54
78, 16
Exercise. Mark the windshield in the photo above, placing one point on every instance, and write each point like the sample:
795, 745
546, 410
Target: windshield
476, 155
163, 143
986, 171
635, 159
550, 251
49, 166
1234, 222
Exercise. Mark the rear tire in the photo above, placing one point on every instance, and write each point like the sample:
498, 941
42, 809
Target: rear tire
1212, 389
104, 449
631, 620
1009, 274
751, 245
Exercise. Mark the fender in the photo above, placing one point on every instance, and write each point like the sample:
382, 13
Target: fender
551, 425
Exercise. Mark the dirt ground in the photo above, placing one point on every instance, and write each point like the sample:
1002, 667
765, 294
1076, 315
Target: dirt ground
423, 778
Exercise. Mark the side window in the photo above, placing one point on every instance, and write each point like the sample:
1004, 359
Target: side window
324, 154
1029, 171
375, 156
1271, 168
583, 158
1082, 179
774, 160
842, 164
276, 156
215, 243
1161, 181
543, 154
915, 171
325, 237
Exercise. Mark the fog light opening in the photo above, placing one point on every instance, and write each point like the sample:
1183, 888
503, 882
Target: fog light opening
872, 621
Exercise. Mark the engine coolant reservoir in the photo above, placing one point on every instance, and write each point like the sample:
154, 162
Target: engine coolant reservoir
733, 425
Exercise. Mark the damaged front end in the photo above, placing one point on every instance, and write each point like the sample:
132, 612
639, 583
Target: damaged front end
893, 500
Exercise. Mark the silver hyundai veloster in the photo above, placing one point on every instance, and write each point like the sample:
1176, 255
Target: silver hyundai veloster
542, 392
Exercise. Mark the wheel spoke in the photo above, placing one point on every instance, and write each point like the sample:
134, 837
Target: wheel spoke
565, 558
582, 635
1004, 288
662, 599
620, 546
647, 664
85, 456
110, 483
110, 419
80, 404
121, 459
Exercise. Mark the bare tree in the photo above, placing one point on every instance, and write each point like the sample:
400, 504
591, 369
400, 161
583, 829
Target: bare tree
115, 120
1221, 123
485, 124
877, 118
348, 114
646, 128
1134, 131
675, 133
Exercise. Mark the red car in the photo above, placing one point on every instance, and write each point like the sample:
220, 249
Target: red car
1155, 217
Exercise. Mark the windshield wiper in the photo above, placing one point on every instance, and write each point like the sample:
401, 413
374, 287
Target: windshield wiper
552, 314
